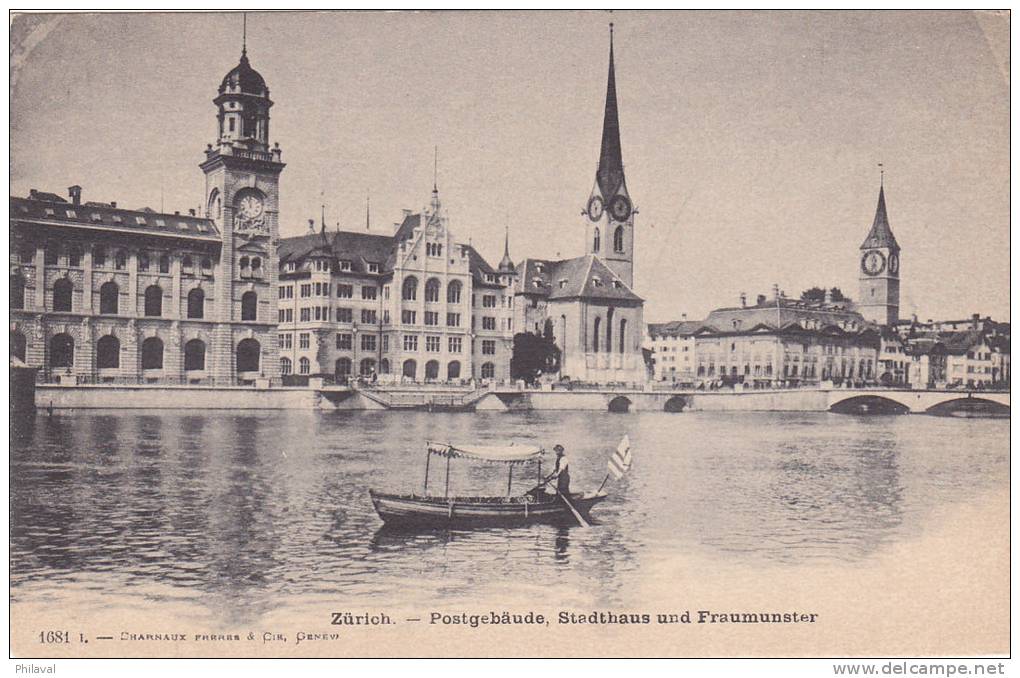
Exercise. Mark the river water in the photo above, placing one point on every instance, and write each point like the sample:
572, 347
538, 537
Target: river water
231, 518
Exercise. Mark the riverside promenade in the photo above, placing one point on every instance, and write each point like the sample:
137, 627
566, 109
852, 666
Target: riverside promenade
511, 398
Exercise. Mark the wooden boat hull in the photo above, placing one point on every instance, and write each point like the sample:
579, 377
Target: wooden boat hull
437, 512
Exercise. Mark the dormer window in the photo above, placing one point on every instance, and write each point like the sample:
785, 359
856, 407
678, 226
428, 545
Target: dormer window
617, 284
96, 216
202, 228
71, 214
50, 212
490, 278
345, 265
563, 283
161, 223
373, 268
140, 221
117, 219
538, 267
597, 282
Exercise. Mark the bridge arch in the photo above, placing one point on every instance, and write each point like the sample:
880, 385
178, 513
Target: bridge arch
969, 407
869, 404
619, 404
676, 403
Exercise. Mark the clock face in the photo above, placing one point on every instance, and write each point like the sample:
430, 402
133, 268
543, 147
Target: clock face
619, 207
595, 208
250, 207
873, 262
894, 263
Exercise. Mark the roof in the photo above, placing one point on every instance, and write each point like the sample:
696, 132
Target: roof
585, 277
244, 79
362, 249
506, 454
958, 343
881, 234
300, 247
480, 267
783, 312
104, 217
674, 328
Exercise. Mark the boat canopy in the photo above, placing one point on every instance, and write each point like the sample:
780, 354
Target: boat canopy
506, 454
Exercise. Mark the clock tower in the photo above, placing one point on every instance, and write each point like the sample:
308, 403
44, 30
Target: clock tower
880, 270
609, 213
242, 175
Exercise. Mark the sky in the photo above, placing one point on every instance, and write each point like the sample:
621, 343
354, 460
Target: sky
751, 140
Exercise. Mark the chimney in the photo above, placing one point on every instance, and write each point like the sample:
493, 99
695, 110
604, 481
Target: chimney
75, 193
743, 300
177, 213
311, 225
191, 211
407, 213
775, 291
113, 203
32, 193
761, 299
683, 316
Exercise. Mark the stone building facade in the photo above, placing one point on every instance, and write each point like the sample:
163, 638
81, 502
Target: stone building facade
104, 294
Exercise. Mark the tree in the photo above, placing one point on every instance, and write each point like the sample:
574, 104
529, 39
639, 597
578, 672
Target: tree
534, 355
818, 294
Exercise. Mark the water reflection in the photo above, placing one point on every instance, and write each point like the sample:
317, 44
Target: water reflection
238, 512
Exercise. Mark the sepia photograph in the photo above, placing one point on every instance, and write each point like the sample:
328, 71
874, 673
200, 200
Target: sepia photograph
547, 334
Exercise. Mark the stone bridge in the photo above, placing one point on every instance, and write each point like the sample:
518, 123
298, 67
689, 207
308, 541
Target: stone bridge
849, 401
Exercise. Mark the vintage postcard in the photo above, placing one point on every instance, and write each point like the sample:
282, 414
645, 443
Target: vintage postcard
510, 334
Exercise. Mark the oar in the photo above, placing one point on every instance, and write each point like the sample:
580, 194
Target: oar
580, 519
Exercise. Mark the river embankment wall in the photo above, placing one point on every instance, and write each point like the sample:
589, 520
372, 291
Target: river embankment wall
142, 396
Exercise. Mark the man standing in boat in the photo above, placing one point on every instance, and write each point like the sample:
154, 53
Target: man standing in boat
562, 470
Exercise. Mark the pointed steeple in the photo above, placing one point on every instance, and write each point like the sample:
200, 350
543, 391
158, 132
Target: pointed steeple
881, 234
506, 264
610, 171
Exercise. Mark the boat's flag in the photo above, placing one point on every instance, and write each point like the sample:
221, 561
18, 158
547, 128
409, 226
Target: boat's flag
621, 460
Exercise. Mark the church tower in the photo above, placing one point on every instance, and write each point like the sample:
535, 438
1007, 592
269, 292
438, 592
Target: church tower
880, 270
609, 211
242, 175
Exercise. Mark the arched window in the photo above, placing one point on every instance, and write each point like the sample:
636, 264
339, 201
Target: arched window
618, 239
188, 263
410, 289
453, 370
384, 366
453, 292
488, 371
62, 351
194, 356
17, 291
609, 330
245, 263
623, 335
154, 301
596, 333
432, 370
18, 345
597, 240
164, 263
196, 303
143, 261
410, 368
285, 367
109, 299
248, 354
249, 305
120, 260
256, 264
108, 352
206, 264
304, 366
342, 368
74, 257
367, 367
432, 290
152, 354
63, 289
99, 257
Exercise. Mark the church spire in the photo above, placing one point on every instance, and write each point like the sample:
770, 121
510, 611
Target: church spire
610, 171
507, 264
881, 234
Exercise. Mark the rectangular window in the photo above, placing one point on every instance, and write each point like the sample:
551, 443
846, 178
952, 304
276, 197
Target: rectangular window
306, 315
488, 301
318, 288
408, 317
488, 323
368, 316
431, 317
345, 291
432, 344
318, 313
410, 342
453, 319
303, 340
386, 317
286, 340
290, 315
367, 342
369, 292
488, 347
386, 343
344, 315
281, 314
455, 344
386, 292
344, 341
306, 290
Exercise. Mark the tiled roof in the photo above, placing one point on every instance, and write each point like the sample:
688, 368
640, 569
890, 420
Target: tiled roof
479, 267
585, 277
102, 217
674, 328
362, 249
300, 247
782, 313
